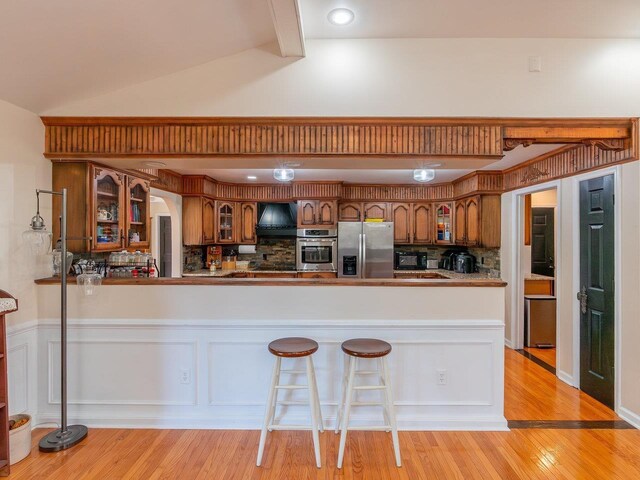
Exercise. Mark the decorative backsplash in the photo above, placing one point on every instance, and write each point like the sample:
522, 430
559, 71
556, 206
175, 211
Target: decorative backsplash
487, 258
273, 252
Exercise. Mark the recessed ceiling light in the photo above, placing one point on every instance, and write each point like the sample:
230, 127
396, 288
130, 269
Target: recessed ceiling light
424, 174
251, 177
283, 174
341, 16
155, 164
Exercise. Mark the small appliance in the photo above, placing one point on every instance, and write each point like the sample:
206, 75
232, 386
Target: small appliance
410, 260
465, 263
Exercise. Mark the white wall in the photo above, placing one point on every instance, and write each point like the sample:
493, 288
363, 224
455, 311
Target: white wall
22, 170
425, 77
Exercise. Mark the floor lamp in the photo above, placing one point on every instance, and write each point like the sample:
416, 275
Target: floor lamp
40, 240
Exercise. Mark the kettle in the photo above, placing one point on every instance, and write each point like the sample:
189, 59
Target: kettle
465, 263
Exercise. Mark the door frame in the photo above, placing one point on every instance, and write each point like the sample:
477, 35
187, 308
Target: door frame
617, 277
517, 300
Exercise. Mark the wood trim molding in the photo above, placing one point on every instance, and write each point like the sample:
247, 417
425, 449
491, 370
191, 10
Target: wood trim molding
243, 137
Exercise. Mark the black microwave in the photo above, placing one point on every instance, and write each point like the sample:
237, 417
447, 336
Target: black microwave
411, 261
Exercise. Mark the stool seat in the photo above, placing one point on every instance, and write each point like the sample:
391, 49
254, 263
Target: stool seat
366, 348
291, 347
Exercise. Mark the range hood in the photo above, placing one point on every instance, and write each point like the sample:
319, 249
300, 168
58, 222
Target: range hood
277, 219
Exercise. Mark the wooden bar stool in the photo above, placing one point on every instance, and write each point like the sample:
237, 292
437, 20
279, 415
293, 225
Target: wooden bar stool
366, 348
293, 347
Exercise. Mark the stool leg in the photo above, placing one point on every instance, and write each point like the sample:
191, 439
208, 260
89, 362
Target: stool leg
385, 403
314, 411
347, 410
315, 389
343, 389
391, 412
269, 410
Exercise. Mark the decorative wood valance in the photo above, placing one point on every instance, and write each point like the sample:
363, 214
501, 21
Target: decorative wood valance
152, 137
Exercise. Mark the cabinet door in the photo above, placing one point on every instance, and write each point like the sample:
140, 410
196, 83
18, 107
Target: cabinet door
472, 221
248, 220
422, 224
401, 214
138, 231
307, 212
444, 223
460, 218
376, 210
208, 221
107, 213
350, 212
326, 213
226, 215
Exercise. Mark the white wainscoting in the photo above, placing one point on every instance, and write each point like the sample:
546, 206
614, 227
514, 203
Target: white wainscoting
22, 368
177, 374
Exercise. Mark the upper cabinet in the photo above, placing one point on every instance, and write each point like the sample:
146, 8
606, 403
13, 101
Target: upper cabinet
226, 221
248, 221
412, 223
198, 221
317, 213
477, 220
138, 228
376, 210
107, 223
350, 212
444, 223
107, 210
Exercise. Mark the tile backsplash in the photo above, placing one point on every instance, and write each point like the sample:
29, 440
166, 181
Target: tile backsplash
487, 258
278, 253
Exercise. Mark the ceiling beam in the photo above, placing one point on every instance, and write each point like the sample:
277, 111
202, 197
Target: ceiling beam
287, 22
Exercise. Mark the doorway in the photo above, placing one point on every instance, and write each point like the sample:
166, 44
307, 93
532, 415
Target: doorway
597, 289
164, 252
539, 277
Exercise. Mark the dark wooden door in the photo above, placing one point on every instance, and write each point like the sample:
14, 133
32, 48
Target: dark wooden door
165, 247
542, 241
597, 335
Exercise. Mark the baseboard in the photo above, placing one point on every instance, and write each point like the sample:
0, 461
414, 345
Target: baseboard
566, 378
497, 424
630, 417
508, 343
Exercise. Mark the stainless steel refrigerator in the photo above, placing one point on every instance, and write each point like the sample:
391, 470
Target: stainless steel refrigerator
365, 249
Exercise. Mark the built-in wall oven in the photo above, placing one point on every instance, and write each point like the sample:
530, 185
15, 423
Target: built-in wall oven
317, 250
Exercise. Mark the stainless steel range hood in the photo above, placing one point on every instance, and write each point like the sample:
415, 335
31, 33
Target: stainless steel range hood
277, 219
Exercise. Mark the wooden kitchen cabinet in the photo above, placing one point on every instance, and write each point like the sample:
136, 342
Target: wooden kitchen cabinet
477, 221
99, 207
350, 212
226, 221
198, 221
138, 224
317, 275
402, 224
247, 224
274, 275
422, 224
317, 213
376, 210
443, 213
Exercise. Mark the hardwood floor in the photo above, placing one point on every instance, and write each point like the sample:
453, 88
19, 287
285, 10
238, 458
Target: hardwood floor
536, 453
547, 355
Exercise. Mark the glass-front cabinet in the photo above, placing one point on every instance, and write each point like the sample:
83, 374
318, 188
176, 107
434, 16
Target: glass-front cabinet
226, 222
443, 213
106, 218
138, 198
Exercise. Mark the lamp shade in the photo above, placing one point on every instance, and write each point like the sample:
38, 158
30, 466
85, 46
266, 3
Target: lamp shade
89, 280
39, 241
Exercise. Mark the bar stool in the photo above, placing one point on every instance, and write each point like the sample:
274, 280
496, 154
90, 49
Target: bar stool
357, 349
293, 347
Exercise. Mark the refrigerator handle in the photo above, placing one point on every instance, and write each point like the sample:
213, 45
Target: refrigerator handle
364, 254
359, 269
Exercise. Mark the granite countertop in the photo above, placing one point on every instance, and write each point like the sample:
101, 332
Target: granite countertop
225, 273
535, 276
450, 274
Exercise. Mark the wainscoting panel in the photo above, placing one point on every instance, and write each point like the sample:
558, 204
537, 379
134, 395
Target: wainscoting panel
132, 375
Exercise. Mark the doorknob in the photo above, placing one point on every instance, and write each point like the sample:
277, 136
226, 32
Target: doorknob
582, 297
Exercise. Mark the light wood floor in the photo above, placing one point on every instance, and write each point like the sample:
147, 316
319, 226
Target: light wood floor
547, 355
531, 393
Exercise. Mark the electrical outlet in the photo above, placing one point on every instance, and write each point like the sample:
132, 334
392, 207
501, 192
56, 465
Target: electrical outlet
185, 376
442, 377
535, 63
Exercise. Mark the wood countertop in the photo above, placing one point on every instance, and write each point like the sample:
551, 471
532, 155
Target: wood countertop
295, 282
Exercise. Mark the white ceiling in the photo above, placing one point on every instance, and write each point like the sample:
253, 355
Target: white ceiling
474, 18
347, 169
54, 52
